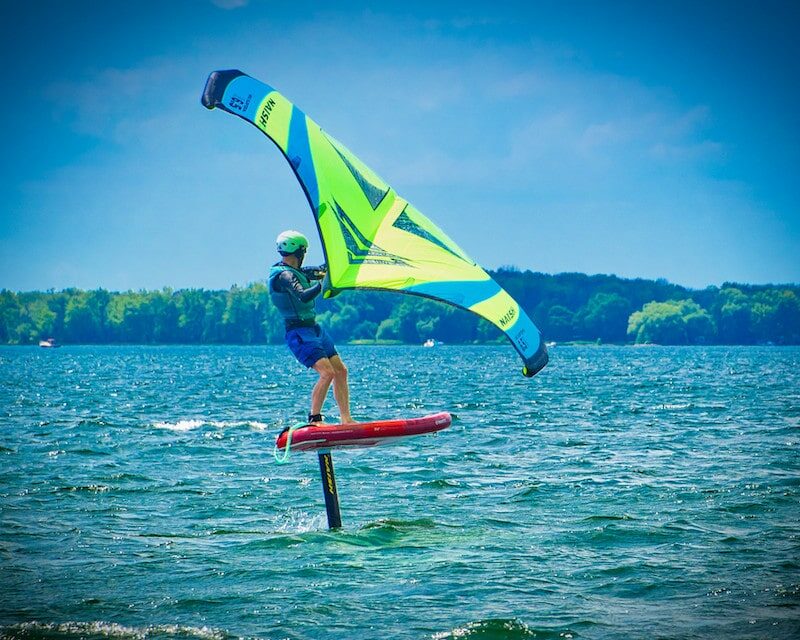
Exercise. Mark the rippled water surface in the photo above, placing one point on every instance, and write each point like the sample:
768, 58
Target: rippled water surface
623, 492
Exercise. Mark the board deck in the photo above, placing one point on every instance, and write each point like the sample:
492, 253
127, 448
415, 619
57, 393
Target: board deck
361, 434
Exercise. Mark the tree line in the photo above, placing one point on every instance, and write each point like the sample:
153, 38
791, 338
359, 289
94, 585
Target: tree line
566, 307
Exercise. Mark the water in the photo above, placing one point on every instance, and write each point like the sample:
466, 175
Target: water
623, 492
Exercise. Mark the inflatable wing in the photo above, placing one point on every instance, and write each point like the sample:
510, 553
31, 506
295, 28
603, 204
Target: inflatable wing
372, 238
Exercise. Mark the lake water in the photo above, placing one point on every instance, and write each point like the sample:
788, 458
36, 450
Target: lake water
623, 492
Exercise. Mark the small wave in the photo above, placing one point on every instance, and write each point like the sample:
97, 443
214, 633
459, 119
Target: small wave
129, 476
250, 424
502, 629
233, 532
502, 523
89, 452
613, 534
99, 629
619, 570
573, 442
525, 490
91, 488
439, 483
181, 425
744, 508
713, 406
189, 425
389, 524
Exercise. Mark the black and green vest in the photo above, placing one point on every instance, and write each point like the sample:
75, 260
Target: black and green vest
288, 305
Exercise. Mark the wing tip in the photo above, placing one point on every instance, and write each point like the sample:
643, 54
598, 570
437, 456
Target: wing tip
215, 87
536, 362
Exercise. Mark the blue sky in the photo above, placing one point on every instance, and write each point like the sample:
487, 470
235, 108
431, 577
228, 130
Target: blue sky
645, 141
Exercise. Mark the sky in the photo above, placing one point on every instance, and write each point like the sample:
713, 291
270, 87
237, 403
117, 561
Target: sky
653, 140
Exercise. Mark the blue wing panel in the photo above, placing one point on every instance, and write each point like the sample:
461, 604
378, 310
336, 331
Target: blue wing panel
299, 153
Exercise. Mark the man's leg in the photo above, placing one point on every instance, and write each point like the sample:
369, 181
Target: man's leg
341, 391
326, 375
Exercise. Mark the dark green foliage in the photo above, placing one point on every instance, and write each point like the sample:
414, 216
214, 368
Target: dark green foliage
604, 317
9, 316
85, 317
567, 306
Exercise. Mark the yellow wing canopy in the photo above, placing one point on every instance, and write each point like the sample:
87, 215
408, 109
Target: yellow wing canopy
372, 238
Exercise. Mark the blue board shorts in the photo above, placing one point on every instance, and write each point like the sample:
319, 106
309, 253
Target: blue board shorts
309, 344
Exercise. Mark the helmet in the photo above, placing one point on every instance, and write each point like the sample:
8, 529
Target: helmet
290, 242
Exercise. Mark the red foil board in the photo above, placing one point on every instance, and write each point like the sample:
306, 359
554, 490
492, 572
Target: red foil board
362, 434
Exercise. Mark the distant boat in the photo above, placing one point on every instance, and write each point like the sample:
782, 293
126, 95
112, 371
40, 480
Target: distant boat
49, 343
430, 342
550, 345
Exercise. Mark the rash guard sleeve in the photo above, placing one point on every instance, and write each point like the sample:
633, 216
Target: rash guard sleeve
288, 282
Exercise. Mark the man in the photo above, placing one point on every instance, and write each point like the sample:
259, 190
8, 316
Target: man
293, 294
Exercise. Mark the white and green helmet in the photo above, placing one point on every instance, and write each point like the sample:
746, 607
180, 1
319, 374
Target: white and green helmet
291, 241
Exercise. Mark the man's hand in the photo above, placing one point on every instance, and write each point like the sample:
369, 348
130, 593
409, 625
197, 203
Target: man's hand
316, 273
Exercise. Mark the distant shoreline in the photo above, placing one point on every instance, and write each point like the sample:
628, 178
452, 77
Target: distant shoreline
569, 308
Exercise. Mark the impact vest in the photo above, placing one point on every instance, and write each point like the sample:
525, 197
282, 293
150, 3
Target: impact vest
288, 305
